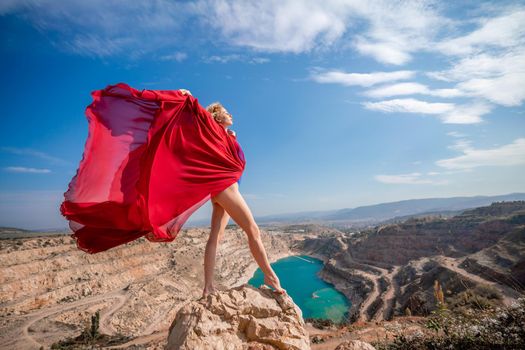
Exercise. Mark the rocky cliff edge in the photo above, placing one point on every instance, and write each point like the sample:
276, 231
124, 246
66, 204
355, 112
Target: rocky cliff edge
239, 318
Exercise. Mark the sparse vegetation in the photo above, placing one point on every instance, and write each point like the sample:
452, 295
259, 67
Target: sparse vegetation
322, 323
488, 328
90, 337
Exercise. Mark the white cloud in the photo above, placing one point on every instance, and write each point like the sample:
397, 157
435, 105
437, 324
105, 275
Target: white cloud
411, 88
409, 179
390, 32
510, 154
382, 52
114, 27
448, 112
504, 31
483, 65
498, 78
223, 59
103, 28
455, 134
491, 61
490, 64
19, 169
276, 26
260, 60
396, 30
360, 79
466, 114
461, 145
236, 58
176, 56
34, 153
507, 90
410, 105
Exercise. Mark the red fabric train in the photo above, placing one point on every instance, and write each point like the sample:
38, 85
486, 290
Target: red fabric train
151, 158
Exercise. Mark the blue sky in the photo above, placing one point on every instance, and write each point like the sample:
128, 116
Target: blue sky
337, 104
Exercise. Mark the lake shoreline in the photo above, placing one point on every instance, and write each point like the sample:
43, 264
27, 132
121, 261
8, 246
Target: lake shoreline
317, 298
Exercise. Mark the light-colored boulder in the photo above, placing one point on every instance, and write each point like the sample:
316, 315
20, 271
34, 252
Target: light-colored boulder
239, 318
354, 345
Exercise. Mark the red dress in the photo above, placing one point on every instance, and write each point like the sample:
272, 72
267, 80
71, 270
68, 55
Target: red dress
151, 159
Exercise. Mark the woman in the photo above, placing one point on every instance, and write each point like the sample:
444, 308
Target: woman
231, 203
152, 158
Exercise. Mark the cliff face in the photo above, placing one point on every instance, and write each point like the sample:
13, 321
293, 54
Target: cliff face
417, 238
48, 284
392, 268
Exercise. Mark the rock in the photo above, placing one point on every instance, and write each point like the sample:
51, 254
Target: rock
239, 318
354, 345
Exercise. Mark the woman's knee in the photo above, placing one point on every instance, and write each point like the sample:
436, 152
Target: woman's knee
253, 231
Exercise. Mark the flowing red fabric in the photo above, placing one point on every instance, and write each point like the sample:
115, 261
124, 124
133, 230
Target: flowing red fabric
151, 158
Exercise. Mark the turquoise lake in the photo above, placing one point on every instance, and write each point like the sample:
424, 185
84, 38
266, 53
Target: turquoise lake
315, 297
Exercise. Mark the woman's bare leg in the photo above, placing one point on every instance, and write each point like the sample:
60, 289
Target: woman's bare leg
219, 220
233, 202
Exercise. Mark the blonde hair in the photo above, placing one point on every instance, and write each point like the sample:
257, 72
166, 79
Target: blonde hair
216, 109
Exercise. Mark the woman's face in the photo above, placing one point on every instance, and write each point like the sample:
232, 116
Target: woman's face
226, 118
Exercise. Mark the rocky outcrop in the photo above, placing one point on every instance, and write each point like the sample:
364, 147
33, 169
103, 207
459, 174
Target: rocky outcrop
239, 318
354, 345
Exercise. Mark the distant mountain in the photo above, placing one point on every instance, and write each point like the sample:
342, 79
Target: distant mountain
14, 232
386, 211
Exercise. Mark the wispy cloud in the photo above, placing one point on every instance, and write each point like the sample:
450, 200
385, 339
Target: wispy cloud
391, 31
504, 31
104, 28
506, 155
448, 112
397, 30
19, 169
455, 134
467, 113
34, 153
490, 59
487, 64
495, 77
410, 105
277, 26
236, 58
176, 56
461, 145
260, 60
410, 179
359, 79
411, 88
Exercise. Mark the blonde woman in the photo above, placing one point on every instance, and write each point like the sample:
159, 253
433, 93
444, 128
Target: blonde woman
151, 159
230, 203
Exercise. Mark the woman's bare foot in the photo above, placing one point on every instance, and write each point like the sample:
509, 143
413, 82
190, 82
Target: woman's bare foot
273, 281
208, 290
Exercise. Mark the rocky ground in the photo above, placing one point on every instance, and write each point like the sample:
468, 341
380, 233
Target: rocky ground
49, 289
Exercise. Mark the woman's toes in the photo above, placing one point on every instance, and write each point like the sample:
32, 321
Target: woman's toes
274, 282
